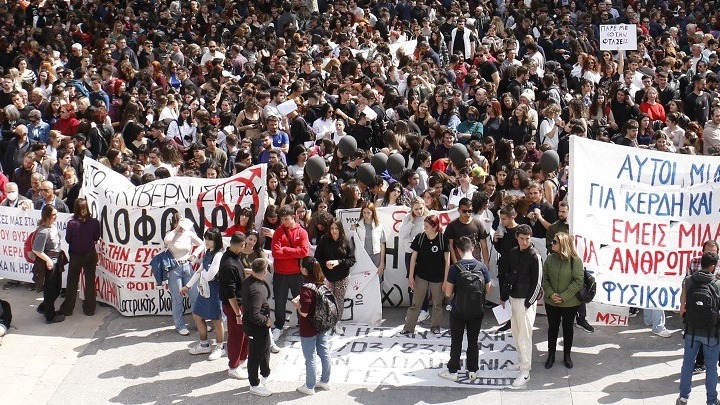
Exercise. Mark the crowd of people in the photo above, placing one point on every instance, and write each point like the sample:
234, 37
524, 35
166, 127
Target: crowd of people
191, 88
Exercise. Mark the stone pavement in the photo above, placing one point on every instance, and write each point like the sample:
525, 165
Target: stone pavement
112, 359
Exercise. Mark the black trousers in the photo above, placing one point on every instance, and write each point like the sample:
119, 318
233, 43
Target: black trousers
258, 355
281, 284
458, 326
556, 316
51, 291
86, 264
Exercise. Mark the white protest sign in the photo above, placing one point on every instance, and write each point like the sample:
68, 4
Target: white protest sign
615, 37
16, 225
134, 221
639, 217
378, 355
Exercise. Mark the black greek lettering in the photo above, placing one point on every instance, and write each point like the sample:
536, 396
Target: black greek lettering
144, 228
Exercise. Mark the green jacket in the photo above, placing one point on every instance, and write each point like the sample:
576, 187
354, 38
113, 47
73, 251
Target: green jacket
559, 278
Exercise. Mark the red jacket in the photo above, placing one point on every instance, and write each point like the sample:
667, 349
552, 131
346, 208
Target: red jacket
287, 252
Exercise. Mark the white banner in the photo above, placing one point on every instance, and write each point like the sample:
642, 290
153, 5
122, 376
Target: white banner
618, 37
16, 225
607, 315
378, 355
639, 217
134, 221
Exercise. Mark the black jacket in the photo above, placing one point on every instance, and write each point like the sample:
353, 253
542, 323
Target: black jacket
329, 249
256, 311
525, 277
230, 276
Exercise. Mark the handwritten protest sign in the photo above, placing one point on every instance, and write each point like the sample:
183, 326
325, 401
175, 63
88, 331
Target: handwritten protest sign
639, 217
618, 37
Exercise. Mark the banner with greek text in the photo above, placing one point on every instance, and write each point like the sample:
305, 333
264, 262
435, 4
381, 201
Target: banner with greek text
134, 221
16, 225
639, 217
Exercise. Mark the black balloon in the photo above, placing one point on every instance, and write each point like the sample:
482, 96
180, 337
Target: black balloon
396, 164
315, 167
458, 154
549, 161
366, 174
347, 145
379, 162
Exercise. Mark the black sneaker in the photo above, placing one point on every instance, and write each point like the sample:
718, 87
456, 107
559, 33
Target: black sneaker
32, 286
585, 325
505, 327
699, 368
634, 312
10, 285
405, 332
57, 319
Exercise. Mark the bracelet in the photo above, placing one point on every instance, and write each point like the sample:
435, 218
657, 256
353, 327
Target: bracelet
238, 315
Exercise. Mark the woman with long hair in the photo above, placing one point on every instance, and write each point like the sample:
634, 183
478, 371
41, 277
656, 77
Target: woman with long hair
504, 157
185, 246
508, 105
249, 121
394, 196
645, 131
336, 256
429, 264
252, 249
208, 304
49, 262
410, 227
550, 127
652, 107
520, 125
81, 234
351, 197
516, 183
270, 223
562, 278
243, 222
67, 124
312, 340
422, 118
370, 235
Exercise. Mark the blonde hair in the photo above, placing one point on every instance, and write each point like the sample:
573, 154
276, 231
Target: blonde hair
566, 249
418, 201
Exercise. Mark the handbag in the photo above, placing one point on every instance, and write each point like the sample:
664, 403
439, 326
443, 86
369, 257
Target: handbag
204, 287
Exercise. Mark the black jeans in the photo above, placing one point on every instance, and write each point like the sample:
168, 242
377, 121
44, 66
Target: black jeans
458, 325
555, 316
51, 290
86, 264
258, 355
281, 284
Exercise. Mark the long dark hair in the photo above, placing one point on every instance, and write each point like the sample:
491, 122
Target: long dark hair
260, 240
214, 235
315, 274
46, 215
81, 210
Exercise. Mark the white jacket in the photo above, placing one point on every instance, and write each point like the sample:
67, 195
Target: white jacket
377, 231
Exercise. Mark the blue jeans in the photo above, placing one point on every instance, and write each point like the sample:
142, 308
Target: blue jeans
310, 345
711, 348
177, 278
654, 317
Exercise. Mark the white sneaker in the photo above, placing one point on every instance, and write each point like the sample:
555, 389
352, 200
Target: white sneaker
339, 330
322, 386
472, 376
424, 316
184, 331
276, 333
663, 333
217, 353
260, 390
238, 373
522, 380
513, 367
305, 390
274, 349
200, 349
446, 374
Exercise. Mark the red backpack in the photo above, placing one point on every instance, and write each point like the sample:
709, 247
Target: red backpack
30, 256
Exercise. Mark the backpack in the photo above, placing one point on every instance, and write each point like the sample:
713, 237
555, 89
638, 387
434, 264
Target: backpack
469, 292
325, 315
27, 248
589, 287
5, 314
702, 304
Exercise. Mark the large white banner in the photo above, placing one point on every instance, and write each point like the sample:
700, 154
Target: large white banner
134, 221
639, 217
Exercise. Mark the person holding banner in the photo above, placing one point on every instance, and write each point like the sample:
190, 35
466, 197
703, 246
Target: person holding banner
411, 226
336, 256
208, 303
185, 247
562, 278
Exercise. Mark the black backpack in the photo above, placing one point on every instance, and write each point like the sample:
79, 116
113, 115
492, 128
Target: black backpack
702, 306
589, 288
5, 314
325, 315
469, 292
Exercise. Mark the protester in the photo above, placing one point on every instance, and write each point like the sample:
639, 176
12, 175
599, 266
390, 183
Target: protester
311, 340
562, 278
208, 303
230, 277
256, 324
412, 225
466, 225
461, 321
429, 263
370, 236
185, 247
522, 288
50, 262
81, 234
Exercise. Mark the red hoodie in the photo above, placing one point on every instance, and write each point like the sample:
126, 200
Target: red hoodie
288, 247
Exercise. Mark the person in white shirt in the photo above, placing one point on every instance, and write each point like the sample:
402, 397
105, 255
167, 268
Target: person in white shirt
156, 162
465, 190
212, 53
